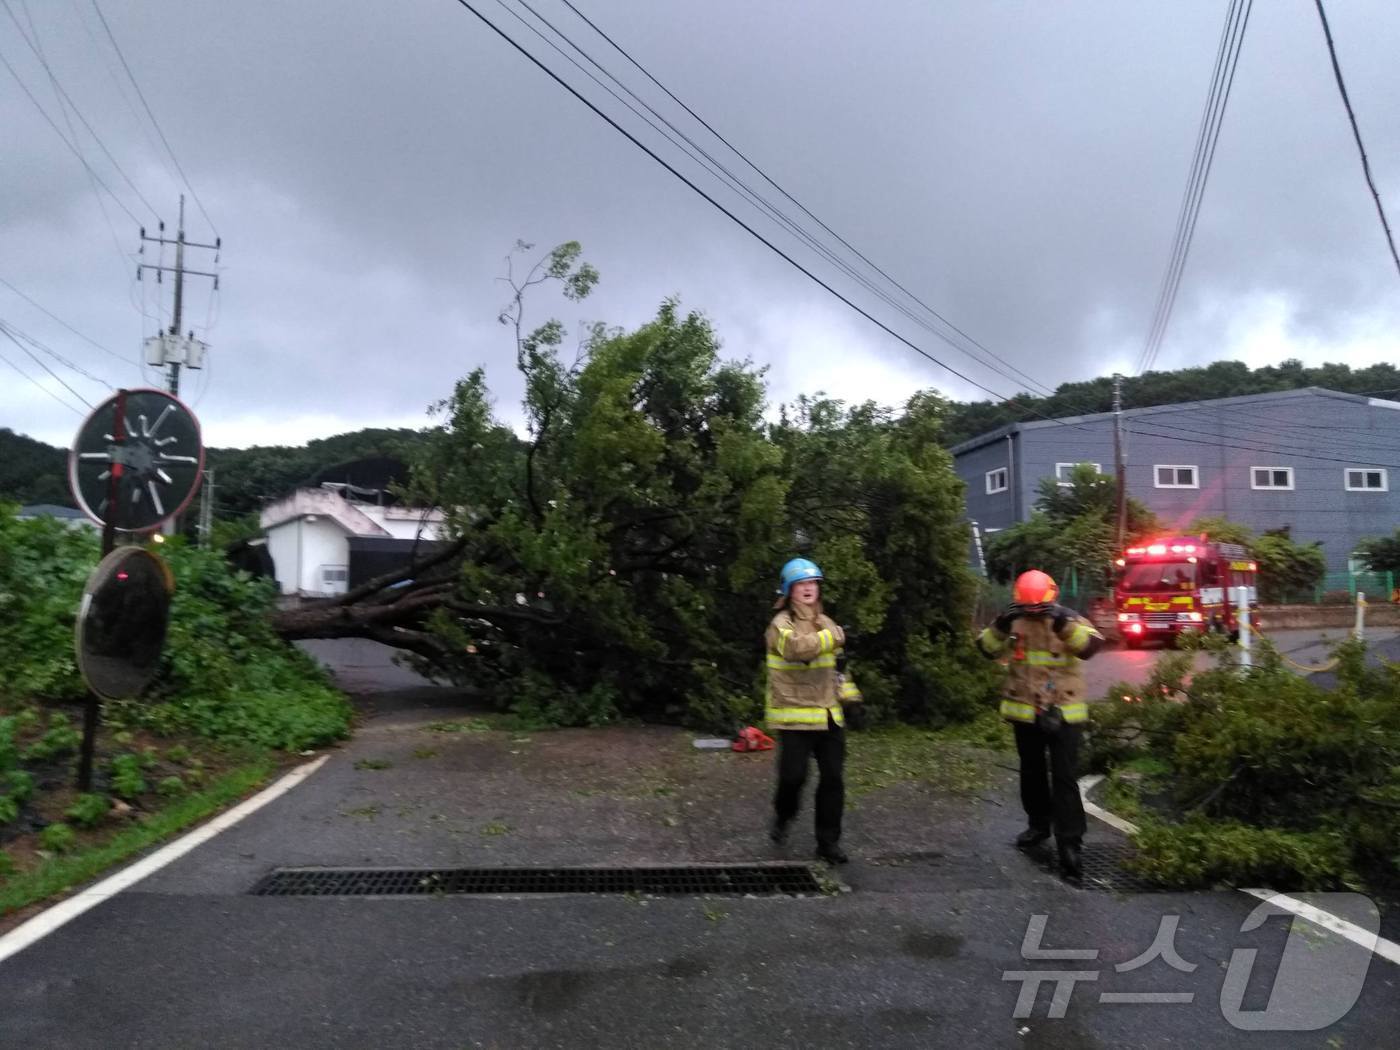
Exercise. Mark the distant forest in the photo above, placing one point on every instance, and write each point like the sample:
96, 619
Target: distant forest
33, 472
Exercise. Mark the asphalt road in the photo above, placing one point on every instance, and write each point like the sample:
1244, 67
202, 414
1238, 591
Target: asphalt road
924, 950
1310, 648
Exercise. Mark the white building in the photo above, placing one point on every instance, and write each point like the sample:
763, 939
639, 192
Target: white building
321, 542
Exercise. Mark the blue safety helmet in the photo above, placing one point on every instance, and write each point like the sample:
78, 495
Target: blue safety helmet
796, 570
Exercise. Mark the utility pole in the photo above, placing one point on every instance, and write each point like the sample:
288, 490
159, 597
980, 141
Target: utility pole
169, 350
1120, 471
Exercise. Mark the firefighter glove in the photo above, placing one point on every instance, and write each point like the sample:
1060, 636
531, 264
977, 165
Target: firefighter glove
1061, 618
855, 716
1006, 619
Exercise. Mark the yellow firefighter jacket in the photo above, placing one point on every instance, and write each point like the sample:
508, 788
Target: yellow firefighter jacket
803, 684
1044, 669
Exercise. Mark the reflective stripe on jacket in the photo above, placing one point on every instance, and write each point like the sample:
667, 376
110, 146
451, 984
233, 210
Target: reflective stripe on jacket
804, 688
1045, 669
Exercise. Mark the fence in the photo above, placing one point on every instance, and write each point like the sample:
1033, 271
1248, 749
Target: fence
1337, 588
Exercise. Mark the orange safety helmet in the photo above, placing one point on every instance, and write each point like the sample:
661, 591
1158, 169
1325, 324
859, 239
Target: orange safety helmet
1035, 588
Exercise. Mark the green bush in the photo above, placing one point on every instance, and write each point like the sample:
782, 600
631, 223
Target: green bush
541, 701
88, 810
127, 781
7, 865
9, 809
58, 838
19, 783
169, 787
1200, 853
43, 566
9, 748
225, 674
1282, 781
58, 740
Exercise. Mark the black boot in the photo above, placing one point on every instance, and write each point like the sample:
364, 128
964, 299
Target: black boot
832, 854
778, 831
1030, 838
1070, 860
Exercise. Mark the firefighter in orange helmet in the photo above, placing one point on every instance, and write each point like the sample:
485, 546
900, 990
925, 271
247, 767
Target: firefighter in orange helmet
1044, 702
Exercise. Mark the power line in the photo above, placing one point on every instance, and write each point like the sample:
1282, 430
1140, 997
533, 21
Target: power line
1212, 119
106, 58
1253, 448
767, 178
729, 214
65, 324
1356, 133
5, 331
40, 385
63, 97
13, 331
81, 159
147, 106
716, 168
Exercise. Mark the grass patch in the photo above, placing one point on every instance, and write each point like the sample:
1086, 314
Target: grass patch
884, 757
61, 874
373, 763
988, 730
425, 752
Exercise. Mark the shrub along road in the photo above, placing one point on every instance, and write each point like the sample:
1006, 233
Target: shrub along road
924, 949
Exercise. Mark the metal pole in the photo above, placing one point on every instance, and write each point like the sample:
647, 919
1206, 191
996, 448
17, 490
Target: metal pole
174, 381
1119, 470
1360, 631
92, 712
1242, 611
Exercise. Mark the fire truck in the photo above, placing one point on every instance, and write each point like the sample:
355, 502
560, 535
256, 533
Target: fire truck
1169, 586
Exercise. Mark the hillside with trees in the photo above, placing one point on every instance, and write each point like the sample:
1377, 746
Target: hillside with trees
1221, 379
33, 472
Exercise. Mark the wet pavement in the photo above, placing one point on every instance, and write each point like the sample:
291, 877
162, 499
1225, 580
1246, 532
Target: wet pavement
931, 938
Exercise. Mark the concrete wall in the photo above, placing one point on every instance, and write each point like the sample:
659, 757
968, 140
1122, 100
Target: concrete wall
301, 548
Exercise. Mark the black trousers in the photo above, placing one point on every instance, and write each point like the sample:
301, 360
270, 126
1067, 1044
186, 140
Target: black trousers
1051, 795
796, 747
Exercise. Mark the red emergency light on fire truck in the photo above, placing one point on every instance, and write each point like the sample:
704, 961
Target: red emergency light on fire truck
1182, 583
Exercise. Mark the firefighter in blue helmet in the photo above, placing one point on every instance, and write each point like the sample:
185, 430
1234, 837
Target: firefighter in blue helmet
808, 697
1044, 702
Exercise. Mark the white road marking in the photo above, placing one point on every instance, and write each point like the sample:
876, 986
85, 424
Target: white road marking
1325, 919
43, 924
1356, 934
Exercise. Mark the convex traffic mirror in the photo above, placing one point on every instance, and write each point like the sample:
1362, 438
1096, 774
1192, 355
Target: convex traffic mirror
122, 622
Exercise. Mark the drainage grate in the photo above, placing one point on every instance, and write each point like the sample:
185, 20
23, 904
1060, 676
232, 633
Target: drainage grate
734, 880
1102, 861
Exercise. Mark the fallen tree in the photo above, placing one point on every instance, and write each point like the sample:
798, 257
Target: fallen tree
620, 561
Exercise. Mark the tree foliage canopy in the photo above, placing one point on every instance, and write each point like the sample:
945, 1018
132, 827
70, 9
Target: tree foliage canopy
1288, 571
622, 561
1074, 530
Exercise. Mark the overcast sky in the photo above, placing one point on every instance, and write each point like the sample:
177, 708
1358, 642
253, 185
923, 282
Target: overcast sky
368, 165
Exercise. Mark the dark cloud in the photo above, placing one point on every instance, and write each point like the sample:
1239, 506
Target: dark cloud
1018, 165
